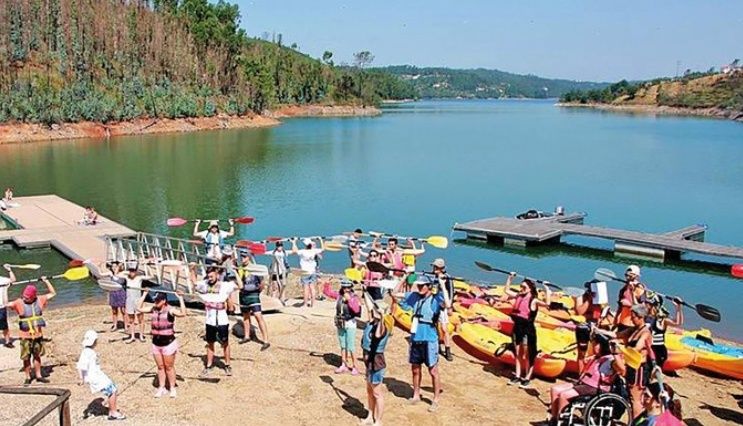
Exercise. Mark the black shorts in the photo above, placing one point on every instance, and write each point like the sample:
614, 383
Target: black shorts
583, 336
661, 354
276, 277
3, 319
219, 333
375, 293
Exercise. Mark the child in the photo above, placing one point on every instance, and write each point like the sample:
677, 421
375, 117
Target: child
90, 372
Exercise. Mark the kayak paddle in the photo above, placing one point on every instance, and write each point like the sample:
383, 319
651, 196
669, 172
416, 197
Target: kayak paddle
32, 266
353, 274
72, 274
705, 311
179, 221
383, 269
737, 270
437, 241
485, 267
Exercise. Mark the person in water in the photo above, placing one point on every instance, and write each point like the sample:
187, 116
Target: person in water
30, 307
526, 305
424, 338
164, 344
5, 282
216, 298
602, 369
347, 309
250, 286
374, 342
444, 284
90, 372
627, 298
213, 238
659, 321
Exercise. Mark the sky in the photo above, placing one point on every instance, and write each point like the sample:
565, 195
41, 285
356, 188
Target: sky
582, 40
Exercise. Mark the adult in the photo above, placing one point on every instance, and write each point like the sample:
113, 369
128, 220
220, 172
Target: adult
374, 342
347, 309
133, 284
596, 314
164, 344
627, 298
116, 298
392, 257
444, 284
216, 296
356, 254
526, 304
409, 259
603, 368
371, 279
213, 238
424, 338
29, 308
5, 282
8, 195
251, 287
659, 321
279, 271
90, 217
308, 265
658, 407
228, 262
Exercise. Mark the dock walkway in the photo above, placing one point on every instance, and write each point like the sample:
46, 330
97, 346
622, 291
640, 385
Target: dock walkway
51, 221
512, 231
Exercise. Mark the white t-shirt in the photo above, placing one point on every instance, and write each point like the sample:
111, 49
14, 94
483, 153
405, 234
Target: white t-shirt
307, 262
92, 374
213, 245
134, 287
223, 290
278, 265
4, 284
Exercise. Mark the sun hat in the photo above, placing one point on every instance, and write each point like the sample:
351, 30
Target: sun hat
213, 223
633, 269
439, 263
306, 241
89, 338
423, 280
29, 292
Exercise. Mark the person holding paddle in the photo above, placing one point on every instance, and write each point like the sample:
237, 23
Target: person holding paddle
659, 322
31, 324
279, 270
133, 285
116, 298
424, 339
444, 285
164, 344
216, 296
213, 238
371, 279
308, 265
5, 282
526, 305
596, 314
347, 309
374, 341
250, 286
627, 299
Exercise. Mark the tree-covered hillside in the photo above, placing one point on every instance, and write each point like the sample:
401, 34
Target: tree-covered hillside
114, 60
483, 83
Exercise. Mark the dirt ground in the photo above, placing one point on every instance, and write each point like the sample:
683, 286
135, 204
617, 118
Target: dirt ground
293, 383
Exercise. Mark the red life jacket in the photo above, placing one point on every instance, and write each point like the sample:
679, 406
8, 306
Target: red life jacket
522, 307
592, 376
161, 323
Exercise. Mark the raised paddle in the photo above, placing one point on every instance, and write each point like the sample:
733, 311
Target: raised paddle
705, 311
485, 267
383, 269
32, 266
737, 270
353, 274
437, 241
179, 221
72, 274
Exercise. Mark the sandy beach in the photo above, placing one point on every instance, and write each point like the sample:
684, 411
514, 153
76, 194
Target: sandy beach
293, 381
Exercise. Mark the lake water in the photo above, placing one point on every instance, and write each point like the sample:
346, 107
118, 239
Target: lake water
416, 170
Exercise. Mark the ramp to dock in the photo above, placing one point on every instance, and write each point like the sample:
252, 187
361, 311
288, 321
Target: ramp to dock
519, 232
52, 221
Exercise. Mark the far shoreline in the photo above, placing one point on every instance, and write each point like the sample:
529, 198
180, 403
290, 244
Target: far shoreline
717, 113
21, 133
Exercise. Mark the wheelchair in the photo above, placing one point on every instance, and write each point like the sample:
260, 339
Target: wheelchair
602, 409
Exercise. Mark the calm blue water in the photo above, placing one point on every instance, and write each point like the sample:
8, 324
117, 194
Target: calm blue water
418, 169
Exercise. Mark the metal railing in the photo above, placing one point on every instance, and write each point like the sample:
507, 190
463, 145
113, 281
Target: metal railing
62, 402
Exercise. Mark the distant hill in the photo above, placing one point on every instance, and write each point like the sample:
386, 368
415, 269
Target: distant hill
484, 83
709, 94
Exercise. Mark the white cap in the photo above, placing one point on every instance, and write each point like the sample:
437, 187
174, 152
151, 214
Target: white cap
89, 338
306, 241
633, 269
213, 223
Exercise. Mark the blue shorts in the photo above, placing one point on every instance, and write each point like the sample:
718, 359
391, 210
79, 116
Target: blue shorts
375, 377
308, 279
109, 390
424, 353
347, 338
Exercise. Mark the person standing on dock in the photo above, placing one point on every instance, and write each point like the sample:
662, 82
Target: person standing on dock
627, 299
213, 238
216, 297
5, 282
31, 324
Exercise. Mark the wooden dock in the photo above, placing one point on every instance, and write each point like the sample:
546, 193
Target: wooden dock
512, 231
51, 221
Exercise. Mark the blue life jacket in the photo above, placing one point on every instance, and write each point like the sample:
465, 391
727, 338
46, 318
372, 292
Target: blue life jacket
424, 311
213, 239
370, 343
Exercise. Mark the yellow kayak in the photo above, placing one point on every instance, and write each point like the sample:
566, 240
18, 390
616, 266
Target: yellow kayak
720, 358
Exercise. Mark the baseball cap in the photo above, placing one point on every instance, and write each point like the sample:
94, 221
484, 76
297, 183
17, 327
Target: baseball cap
89, 338
29, 292
439, 263
633, 269
306, 241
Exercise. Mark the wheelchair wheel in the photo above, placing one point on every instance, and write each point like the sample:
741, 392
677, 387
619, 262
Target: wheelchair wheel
573, 413
607, 410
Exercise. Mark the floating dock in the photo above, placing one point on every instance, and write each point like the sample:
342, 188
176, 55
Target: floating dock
52, 221
524, 232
